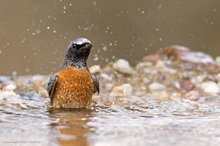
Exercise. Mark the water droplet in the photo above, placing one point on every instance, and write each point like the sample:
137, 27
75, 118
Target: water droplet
14, 73
105, 48
96, 57
23, 40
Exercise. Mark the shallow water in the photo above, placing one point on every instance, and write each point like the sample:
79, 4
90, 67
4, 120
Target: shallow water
126, 122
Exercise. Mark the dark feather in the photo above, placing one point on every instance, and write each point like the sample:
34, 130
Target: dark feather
51, 86
96, 83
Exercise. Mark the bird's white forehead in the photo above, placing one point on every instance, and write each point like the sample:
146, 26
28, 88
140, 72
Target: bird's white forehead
81, 41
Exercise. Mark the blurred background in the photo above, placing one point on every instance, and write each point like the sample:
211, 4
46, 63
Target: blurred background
34, 34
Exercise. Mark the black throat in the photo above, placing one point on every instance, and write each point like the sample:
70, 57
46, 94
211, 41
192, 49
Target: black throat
80, 63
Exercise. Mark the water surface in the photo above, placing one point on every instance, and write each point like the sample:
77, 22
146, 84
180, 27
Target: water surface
111, 121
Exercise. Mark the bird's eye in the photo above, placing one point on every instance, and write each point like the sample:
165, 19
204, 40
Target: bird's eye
74, 46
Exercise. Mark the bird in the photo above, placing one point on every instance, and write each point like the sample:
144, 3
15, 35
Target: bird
74, 85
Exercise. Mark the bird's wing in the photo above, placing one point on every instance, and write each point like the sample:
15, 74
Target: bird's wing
96, 83
51, 86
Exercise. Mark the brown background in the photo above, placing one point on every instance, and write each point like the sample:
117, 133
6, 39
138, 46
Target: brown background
34, 33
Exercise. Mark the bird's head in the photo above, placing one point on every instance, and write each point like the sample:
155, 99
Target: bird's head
77, 52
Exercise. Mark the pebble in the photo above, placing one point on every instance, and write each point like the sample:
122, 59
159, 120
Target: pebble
10, 87
95, 69
142, 65
105, 77
191, 95
162, 95
123, 90
157, 87
5, 79
210, 88
123, 66
160, 64
187, 85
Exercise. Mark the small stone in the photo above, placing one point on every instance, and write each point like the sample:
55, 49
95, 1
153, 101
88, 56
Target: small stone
157, 87
123, 90
175, 95
122, 66
218, 59
105, 77
162, 95
108, 86
142, 65
191, 95
187, 85
176, 85
210, 88
5, 79
160, 64
146, 80
10, 87
95, 69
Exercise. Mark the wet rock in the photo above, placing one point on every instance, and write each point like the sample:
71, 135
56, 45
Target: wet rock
187, 85
142, 65
218, 59
175, 95
96, 69
210, 88
146, 80
160, 64
157, 87
109, 86
191, 95
123, 90
8, 94
162, 95
176, 85
10, 87
5, 79
105, 77
122, 66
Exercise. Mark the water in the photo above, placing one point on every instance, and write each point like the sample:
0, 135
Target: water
131, 121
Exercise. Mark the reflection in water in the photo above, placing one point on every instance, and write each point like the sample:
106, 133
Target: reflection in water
72, 126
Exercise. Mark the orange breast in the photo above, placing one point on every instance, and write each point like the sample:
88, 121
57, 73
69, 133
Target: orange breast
74, 88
